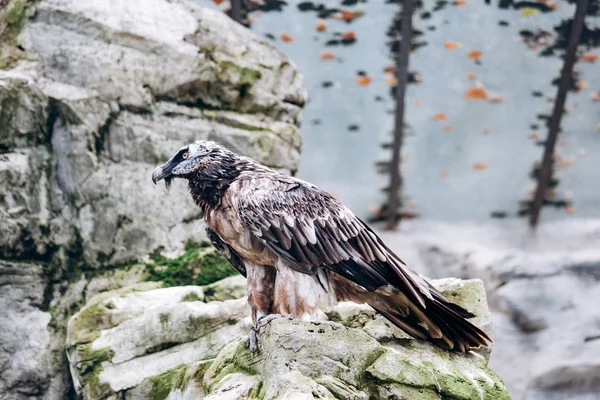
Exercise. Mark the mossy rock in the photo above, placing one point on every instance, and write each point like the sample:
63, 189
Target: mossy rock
199, 265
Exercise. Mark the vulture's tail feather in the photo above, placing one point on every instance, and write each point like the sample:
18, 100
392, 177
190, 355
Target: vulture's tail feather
441, 322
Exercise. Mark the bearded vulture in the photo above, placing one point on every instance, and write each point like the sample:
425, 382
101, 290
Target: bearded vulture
301, 250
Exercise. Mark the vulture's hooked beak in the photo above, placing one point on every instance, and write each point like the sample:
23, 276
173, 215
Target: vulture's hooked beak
163, 172
157, 174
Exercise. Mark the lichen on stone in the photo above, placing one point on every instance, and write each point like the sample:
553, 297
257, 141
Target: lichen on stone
199, 265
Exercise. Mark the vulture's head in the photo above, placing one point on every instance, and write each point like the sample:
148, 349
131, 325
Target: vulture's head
201, 160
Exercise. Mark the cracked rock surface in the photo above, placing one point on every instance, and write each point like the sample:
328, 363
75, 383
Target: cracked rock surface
188, 343
93, 95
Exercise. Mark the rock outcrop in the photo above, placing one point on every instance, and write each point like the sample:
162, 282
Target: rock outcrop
543, 290
93, 95
188, 343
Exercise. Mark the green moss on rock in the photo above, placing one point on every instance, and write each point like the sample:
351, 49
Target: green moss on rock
166, 382
12, 21
191, 296
199, 265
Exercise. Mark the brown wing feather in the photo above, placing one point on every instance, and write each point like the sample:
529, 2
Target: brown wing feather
226, 251
313, 231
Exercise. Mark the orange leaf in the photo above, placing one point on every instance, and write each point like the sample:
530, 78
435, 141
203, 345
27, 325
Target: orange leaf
581, 84
326, 55
533, 135
285, 38
364, 80
588, 57
444, 174
447, 128
460, 3
551, 4
485, 131
391, 80
570, 209
596, 97
565, 163
321, 25
347, 15
475, 54
389, 69
480, 166
470, 75
440, 116
452, 45
217, 2
476, 93
349, 35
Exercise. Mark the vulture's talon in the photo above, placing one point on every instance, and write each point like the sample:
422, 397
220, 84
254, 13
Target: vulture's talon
255, 330
266, 319
253, 340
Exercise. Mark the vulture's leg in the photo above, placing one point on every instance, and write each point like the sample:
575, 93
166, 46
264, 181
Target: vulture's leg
255, 330
261, 281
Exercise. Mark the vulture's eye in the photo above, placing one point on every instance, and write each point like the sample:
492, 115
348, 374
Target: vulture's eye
185, 155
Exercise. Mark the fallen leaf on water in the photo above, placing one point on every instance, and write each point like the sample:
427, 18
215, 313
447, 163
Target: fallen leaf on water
581, 84
349, 35
452, 45
460, 3
596, 97
217, 2
530, 190
565, 162
408, 215
551, 4
447, 128
327, 55
444, 174
321, 25
440, 116
416, 102
588, 57
480, 166
485, 131
389, 69
364, 80
391, 80
533, 135
528, 11
470, 75
285, 38
475, 54
476, 93
348, 15
570, 209
495, 98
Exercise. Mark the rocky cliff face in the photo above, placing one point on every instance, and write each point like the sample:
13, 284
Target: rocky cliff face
93, 95
188, 343
94, 259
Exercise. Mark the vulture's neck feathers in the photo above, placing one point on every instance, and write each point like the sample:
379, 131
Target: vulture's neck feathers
208, 184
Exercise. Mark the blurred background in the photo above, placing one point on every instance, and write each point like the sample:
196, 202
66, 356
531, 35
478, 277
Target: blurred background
94, 94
